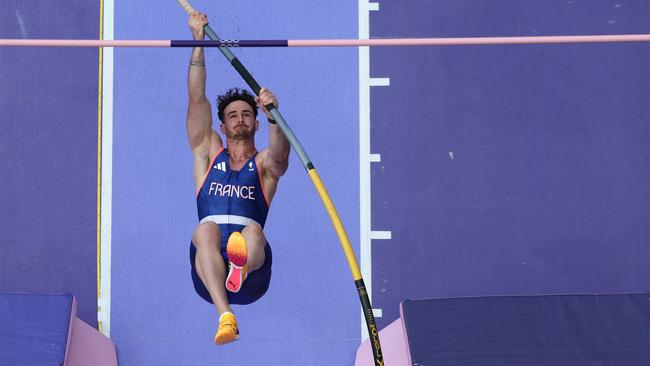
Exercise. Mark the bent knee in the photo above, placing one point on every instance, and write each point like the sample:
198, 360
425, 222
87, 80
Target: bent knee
205, 234
253, 230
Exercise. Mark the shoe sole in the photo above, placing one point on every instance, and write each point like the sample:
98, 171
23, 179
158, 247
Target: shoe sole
237, 257
225, 339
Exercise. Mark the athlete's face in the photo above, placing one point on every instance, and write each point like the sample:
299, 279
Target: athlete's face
239, 121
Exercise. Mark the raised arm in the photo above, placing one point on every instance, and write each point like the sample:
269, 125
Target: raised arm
199, 111
276, 159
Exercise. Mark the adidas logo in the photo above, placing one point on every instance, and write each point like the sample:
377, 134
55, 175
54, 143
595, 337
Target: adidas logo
221, 166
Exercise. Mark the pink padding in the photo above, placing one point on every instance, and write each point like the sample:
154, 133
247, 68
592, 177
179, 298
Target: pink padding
393, 345
89, 347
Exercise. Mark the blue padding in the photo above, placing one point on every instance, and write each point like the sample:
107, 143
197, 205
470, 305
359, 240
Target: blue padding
34, 328
571, 330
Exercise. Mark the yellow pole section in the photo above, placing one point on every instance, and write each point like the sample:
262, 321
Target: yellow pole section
336, 221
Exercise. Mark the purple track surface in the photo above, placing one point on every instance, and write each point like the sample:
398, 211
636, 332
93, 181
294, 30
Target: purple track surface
510, 169
48, 154
311, 313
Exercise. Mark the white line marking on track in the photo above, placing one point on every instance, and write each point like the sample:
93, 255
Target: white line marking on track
379, 81
381, 235
104, 300
364, 157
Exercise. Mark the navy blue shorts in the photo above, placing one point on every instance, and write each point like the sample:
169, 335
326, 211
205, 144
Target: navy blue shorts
255, 286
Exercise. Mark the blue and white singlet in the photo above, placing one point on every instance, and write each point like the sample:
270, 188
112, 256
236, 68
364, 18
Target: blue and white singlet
231, 198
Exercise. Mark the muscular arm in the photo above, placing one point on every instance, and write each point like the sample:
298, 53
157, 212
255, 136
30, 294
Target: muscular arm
199, 112
276, 160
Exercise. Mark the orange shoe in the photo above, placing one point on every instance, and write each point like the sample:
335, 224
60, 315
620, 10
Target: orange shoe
228, 331
237, 257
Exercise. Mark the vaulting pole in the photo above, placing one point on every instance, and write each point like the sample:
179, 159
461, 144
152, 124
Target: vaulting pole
320, 187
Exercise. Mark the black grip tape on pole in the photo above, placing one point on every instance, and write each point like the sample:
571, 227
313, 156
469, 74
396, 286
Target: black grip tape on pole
373, 332
246, 75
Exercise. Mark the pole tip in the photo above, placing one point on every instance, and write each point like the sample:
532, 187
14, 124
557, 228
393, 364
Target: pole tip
188, 8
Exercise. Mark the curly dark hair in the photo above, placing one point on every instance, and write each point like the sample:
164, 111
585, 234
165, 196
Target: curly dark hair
232, 95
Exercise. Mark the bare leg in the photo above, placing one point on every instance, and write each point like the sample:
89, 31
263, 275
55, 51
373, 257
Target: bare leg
209, 263
255, 242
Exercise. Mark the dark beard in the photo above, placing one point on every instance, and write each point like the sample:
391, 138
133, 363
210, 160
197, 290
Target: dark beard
240, 134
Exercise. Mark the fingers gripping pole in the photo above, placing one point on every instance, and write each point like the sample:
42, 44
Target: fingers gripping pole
252, 83
320, 187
